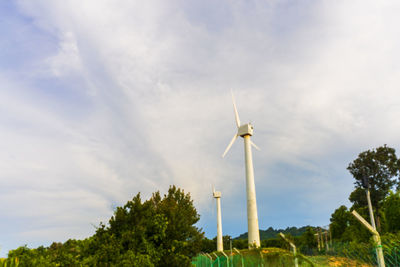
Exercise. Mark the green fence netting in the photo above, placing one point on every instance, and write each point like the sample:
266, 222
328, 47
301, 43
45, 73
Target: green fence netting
366, 253
250, 259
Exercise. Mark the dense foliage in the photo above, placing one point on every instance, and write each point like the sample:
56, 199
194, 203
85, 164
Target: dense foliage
391, 207
272, 233
380, 168
156, 232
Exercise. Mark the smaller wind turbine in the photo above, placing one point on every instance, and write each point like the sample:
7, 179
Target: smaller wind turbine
217, 196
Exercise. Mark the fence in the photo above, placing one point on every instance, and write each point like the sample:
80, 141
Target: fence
250, 258
391, 251
344, 254
363, 252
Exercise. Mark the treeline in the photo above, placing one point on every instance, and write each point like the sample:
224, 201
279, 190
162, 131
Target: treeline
272, 233
378, 171
156, 232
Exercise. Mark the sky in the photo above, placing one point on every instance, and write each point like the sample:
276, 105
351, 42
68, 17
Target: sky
100, 100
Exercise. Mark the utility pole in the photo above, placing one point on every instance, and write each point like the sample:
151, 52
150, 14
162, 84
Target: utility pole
377, 238
365, 183
322, 238
326, 241
317, 236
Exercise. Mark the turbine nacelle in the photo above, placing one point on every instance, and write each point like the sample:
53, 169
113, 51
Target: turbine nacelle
246, 129
216, 194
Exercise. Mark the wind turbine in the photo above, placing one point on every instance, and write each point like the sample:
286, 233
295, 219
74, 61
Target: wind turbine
245, 131
217, 196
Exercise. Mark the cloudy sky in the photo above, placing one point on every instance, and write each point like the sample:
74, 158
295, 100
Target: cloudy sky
100, 100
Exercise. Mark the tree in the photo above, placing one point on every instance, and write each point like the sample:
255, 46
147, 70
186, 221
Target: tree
391, 207
381, 167
340, 220
308, 240
345, 227
25, 257
240, 243
156, 232
183, 239
208, 245
226, 242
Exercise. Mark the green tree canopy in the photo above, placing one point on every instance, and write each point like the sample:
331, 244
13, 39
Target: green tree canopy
156, 232
381, 166
340, 220
307, 240
391, 208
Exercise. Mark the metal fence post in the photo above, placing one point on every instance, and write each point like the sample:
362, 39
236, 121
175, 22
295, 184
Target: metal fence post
227, 259
211, 261
219, 265
240, 254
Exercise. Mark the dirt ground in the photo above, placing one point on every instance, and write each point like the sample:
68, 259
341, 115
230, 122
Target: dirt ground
336, 261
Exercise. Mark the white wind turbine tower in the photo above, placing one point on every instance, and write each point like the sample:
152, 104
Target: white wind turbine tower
217, 196
245, 131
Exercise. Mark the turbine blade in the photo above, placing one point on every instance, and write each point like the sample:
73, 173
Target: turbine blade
236, 112
230, 144
256, 147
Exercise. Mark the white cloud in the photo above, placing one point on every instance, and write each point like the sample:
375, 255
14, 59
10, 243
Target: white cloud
67, 59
